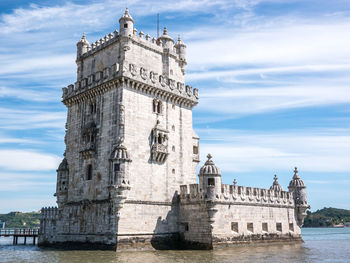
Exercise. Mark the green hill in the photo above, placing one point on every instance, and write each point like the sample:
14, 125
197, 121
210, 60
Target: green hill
327, 217
21, 220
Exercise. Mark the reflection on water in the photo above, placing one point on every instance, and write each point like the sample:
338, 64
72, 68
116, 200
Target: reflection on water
321, 245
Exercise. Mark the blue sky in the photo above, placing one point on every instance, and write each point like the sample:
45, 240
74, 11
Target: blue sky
273, 77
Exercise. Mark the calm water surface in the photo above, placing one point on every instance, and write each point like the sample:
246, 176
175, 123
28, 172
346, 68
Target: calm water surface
321, 245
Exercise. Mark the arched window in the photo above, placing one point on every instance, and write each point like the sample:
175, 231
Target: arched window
159, 108
160, 138
89, 172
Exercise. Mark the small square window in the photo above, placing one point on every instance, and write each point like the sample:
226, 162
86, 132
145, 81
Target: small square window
250, 227
234, 227
116, 167
195, 149
211, 181
291, 227
125, 25
279, 227
264, 227
186, 227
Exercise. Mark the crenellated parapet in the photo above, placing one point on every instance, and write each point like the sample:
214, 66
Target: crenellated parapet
49, 213
110, 61
234, 194
139, 78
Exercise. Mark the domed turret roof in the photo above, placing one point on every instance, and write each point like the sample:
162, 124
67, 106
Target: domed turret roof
63, 165
276, 186
126, 16
165, 36
296, 181
120, 153
83, 41
179, 42
209, 168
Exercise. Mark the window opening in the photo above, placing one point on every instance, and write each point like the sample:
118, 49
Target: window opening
211, 181
89, 172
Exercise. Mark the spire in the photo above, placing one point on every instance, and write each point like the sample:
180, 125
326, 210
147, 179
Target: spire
276, 186
296, 175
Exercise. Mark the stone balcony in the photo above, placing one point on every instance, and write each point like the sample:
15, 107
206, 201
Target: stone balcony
159, 153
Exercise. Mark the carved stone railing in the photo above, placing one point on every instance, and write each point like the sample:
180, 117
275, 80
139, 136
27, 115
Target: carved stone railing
159, 153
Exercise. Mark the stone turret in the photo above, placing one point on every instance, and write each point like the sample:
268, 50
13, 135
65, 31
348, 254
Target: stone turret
126, 24
298, 188
82, 46
62, 182
181, 49
276, 186
210, 179
165, 40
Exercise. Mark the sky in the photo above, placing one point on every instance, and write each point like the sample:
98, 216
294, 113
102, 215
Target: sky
273, 79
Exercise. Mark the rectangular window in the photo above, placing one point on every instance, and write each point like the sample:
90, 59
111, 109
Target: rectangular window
279, 227
116, 167
186, 227
291, 227
234, 227
89, 172
250, 227
211, 181
195, 149
264, 227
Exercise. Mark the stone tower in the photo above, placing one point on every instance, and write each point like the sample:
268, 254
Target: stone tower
129, 137
128, 177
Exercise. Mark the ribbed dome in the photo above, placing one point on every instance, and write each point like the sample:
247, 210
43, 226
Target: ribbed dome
126, 16
63, 165
83, 40
165, 36
276, 186
179, 42
296, 181
120, 153
209, 168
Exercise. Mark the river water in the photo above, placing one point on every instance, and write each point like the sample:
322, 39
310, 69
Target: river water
321, 245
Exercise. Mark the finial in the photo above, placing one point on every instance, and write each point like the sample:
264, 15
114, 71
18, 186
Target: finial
178, 37
234, 182
127, 11
209, 156
83, 37
275, 178
165, 32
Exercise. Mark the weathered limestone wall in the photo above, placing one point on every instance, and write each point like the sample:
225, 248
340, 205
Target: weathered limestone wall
151, 180
257, 215
194, 225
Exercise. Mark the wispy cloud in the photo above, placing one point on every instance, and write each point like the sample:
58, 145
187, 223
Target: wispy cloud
243, 151
27, 160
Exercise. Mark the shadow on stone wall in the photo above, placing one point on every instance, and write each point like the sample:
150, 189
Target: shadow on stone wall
167, 233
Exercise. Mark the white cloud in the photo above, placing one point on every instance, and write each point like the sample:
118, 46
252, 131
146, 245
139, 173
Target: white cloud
27, 160
240, 101
242, 151
20, 119
30, 94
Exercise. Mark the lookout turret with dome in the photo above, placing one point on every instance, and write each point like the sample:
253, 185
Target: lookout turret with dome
210, 178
